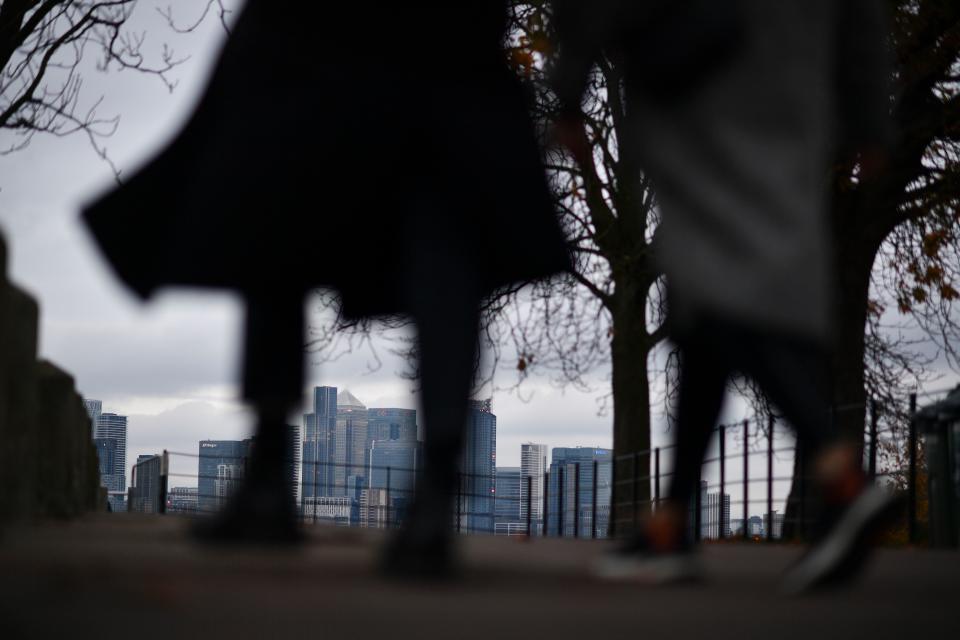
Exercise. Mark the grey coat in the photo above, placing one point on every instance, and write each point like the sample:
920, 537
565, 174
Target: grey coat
741, 163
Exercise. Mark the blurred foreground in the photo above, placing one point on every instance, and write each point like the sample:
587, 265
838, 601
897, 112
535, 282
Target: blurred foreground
143, 575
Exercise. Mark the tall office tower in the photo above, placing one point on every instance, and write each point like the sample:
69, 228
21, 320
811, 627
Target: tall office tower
111, 426
94, 409
714, 513
393, 468
350, 443
106, 457
506, 502
776, 527
319, 429
386, 423
478, 483
295, 473
219, 469
533, 463
570, 509
391, 424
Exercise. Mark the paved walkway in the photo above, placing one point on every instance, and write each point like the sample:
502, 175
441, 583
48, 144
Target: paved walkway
142, 577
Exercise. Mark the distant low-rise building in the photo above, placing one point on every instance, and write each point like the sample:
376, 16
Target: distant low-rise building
145, 491
182, 500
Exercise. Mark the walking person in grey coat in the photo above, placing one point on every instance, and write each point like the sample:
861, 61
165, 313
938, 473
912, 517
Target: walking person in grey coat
737, 116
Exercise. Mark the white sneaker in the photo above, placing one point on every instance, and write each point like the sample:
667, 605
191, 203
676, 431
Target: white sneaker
647, 568
839, 556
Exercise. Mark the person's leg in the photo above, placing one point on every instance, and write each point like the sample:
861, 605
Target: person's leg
659, 552
703, 378
795, 376
263, 508
441, 294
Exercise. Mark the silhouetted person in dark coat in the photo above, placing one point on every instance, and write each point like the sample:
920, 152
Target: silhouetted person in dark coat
737, 118
383, 149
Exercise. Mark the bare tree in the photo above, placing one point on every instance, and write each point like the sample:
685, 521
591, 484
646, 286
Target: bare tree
43, 44
609, 309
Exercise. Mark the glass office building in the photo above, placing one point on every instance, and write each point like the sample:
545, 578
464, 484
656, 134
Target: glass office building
571, 494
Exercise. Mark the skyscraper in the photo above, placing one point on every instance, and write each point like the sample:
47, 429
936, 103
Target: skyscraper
94, 409
714, 514
319, 428
110, 440
392, 424
571, 491
533, 464
506, 506
478, 484
393, 467
350, 454
219, 469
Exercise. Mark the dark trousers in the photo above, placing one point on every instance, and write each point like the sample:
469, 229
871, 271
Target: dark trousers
792, 372
442, 296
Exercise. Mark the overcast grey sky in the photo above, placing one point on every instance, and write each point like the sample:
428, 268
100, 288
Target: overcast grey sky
171, 364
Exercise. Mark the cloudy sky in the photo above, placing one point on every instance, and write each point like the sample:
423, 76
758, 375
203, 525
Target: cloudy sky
171, 364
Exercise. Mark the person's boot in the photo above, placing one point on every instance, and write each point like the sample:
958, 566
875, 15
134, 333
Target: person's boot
423, 548
855, 510
262, 510
659, 553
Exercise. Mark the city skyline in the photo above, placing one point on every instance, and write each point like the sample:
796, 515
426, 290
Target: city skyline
510, 453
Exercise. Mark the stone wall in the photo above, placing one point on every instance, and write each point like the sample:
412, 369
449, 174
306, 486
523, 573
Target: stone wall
48, 464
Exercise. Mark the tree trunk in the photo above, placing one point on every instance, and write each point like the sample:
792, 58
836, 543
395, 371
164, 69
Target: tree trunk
630, 347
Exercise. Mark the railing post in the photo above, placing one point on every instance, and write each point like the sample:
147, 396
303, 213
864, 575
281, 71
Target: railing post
873, 439
164, 474
529, 505
912, 474
576, 500
770, 479
721, 532
560, 505
459, 497
635, 490
593, 506
799, 463
546, 504
656, 477
746, 479
698, 508
612, 523
390, 522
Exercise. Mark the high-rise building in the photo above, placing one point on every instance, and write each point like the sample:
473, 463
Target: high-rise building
221, 466
478, 483
349, 444
776, 527
570, 510
715, 516
296, 461
393, 468
145, 484
392, 424
319, 430
94, 409
110, 440
533, 464
506, 506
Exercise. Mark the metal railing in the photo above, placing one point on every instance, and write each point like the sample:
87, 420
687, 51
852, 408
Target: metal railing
595, 515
